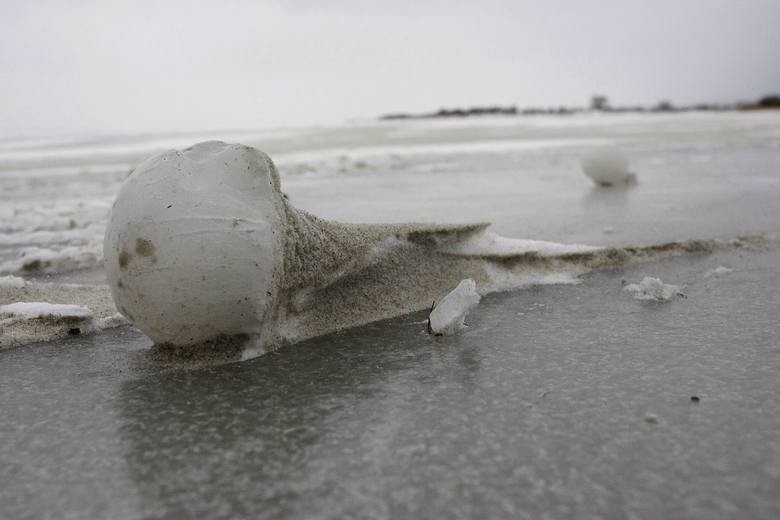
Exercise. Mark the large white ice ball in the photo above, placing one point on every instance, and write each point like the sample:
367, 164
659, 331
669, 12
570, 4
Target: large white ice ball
193, 242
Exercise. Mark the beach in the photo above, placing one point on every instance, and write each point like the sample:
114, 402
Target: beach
569, 387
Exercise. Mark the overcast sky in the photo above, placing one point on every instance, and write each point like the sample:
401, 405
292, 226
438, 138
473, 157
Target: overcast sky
134, 66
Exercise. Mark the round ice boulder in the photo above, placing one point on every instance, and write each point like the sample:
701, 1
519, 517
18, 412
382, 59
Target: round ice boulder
191, 246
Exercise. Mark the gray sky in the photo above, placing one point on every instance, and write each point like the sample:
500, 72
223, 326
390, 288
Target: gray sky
135, 65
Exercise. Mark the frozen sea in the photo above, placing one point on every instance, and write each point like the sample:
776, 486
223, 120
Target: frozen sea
558, 401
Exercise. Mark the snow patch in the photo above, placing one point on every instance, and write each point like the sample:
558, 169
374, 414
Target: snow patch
42, 260
449, 315
13, 282
654, 289
43, 310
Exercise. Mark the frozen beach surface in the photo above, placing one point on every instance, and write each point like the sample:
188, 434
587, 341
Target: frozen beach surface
654, 289
448, 315
544, 417
540, 417
522, 174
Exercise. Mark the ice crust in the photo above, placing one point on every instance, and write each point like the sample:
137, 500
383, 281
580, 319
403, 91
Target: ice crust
607, 167
449, 314
654, 289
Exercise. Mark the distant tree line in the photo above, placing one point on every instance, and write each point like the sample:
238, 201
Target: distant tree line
458, 112
598, 103
601, 104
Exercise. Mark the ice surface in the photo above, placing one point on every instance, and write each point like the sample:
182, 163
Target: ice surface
503, 279
607, 167
654, 289
381, 421
448, 316
539, 417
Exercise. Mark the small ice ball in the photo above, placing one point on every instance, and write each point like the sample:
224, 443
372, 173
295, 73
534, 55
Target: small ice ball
607, 167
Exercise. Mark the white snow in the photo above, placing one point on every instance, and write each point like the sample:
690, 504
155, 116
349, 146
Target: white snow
13, 282
493, 245
654, 289
607, 167
449, 314
44, 260
43, 310
718, 272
